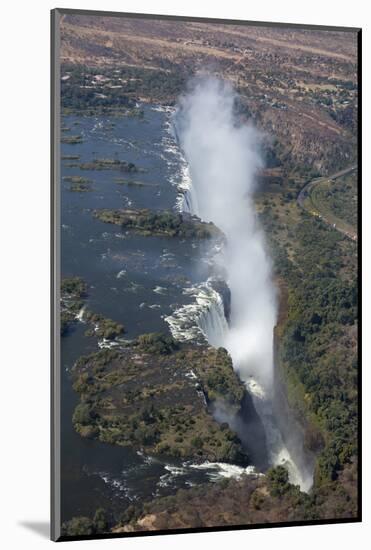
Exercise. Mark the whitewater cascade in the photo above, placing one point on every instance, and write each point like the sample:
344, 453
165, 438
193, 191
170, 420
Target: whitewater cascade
203, 318
221, 159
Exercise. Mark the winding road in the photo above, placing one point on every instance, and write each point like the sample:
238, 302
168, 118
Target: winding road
305, 192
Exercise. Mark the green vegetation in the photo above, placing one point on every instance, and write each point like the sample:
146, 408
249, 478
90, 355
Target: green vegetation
336, 201
80, 187
327, 140
78, 183
318, 343
249, 500
102, 326
92, 90
219, 384
74, 287
80, 526
110, 164
161, 223
76, 179
71, 140
73, 293
143, 396
67, 319
316, 337
245, 501
70, 157
156, 343
278, 479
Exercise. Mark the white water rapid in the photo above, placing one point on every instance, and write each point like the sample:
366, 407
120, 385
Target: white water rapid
221, 159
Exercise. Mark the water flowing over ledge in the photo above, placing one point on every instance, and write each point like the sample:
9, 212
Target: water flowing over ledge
203, 319
208, 137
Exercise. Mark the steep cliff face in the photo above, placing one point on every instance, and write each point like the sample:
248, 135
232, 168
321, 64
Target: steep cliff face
221, 287
296, 423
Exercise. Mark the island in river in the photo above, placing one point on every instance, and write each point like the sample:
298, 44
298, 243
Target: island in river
156, 396
164, 223
139, 270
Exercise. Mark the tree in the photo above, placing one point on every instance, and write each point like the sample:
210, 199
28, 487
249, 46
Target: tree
82, 414
278, 478
100, 520
79, 526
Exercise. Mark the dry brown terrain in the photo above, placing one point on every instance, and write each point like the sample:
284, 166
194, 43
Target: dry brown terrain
300, 86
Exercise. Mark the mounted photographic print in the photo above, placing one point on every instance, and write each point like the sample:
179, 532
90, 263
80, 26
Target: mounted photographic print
205, 217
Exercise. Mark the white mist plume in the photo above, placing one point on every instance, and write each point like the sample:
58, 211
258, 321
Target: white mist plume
223, 159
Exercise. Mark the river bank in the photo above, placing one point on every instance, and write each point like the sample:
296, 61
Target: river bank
144, 279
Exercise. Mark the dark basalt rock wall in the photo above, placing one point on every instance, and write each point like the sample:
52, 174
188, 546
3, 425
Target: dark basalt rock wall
220, 286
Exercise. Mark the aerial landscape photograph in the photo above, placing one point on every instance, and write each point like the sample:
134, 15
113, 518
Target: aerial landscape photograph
208, 315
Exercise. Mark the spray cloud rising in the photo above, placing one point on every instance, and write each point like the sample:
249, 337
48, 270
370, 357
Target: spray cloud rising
223, 160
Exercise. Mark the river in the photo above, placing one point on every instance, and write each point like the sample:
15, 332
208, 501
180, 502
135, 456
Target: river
148, 284
135, 280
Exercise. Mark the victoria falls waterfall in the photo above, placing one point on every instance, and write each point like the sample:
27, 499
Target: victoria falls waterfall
236, 308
